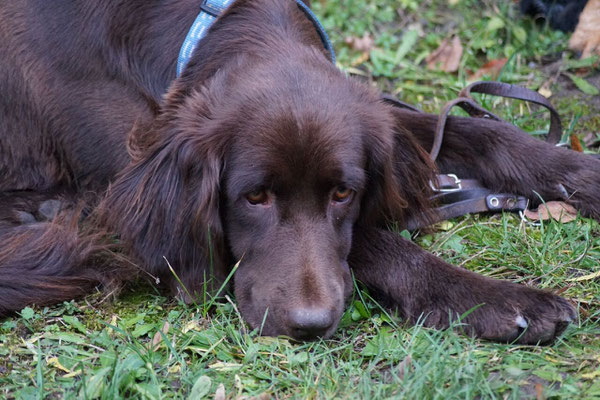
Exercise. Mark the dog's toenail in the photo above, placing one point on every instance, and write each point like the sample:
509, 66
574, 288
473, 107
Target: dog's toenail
563, 191
521, 322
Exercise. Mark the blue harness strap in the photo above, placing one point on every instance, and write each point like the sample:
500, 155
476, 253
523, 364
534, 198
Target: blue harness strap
210, 11
320, 29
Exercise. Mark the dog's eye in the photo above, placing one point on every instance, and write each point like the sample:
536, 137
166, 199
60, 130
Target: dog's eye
342, 194
258, 197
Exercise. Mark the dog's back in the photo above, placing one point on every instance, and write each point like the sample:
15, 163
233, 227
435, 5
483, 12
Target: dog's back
72, 89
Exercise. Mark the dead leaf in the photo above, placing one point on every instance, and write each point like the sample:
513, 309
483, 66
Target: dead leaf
557, 210
586, 37
539, 391
491, 68
447, 56
576, 144
53, 362
364, 57
364, 44
220, 393
588, 277
545, 91
404, 366
591, 139
157, 339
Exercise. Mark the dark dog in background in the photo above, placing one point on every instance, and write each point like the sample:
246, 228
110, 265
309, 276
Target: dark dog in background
582, 16
561, 14
262, 151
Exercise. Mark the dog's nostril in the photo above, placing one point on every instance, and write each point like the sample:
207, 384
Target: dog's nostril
307, 323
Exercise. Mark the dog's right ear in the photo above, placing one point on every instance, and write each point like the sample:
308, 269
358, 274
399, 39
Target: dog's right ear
164, 207
400, 172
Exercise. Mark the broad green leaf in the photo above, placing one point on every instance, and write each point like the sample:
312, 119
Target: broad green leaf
495, 23
520, 33
95, 383
409, 39
27, 313
299, 358
201, 388
584, 85
75, 323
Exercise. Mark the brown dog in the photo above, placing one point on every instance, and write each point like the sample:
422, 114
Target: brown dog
262, 151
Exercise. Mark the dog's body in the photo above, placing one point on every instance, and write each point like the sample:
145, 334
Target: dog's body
261, 152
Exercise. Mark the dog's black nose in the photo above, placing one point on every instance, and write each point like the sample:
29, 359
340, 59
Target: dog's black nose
310, 322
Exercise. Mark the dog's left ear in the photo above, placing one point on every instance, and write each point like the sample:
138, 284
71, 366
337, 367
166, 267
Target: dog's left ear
399, 173
164, 206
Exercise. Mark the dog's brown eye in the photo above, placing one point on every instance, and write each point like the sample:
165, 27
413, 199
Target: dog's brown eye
342, 194
257, 197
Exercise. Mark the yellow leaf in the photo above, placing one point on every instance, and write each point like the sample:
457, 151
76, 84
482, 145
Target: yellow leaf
53, 362
545, 91
588, 277
222, 367
191, 326
72, 374
591, 375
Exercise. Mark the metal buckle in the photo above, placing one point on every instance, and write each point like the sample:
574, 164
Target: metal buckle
457, 182
210, 8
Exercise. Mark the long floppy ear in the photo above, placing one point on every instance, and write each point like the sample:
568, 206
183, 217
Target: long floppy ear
399, 174
164, 207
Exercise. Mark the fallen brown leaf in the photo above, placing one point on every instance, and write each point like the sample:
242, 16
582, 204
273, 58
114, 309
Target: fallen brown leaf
591, 139
539, 391
491, 68
157, 339
586, 37
557, 210
404, 367
447, 56
220, 393
364, 44
576, 144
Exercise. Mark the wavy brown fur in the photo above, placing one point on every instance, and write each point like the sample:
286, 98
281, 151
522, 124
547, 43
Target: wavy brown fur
48, 262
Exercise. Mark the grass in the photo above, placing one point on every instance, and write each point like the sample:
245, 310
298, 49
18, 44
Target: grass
146, 346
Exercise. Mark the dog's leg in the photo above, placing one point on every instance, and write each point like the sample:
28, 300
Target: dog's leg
45, 263
406, 278
506, 159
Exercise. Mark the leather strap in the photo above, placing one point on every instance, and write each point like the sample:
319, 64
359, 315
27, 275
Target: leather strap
467, 196
455, 196
388, 98
482, 203
519, 93
467, 103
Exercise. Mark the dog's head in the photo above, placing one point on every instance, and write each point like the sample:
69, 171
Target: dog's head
272, 162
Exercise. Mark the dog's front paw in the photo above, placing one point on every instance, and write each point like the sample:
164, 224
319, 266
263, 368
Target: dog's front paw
506, 312
422, 287
524, 315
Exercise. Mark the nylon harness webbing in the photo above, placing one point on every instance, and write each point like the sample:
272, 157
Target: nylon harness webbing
455, 196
